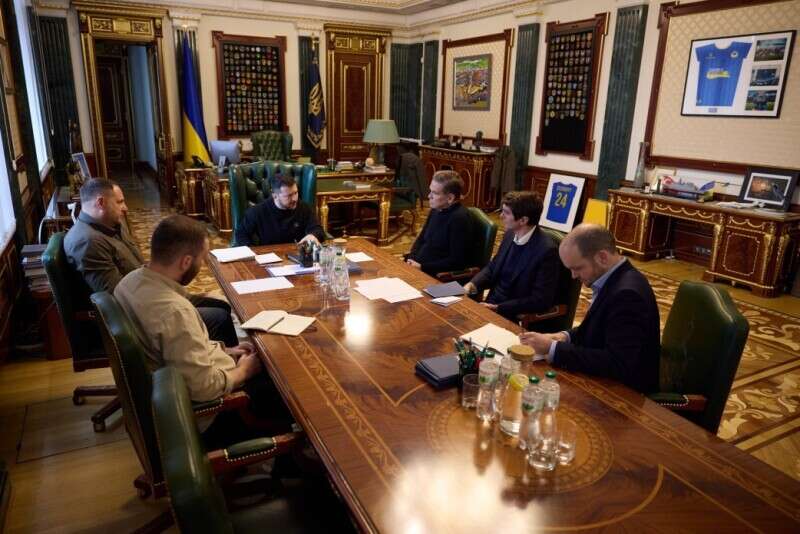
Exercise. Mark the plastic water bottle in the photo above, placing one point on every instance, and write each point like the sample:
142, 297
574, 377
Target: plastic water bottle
341, 278
487, 378
508, 366
551, 389
543, 455
511, 417
532, 403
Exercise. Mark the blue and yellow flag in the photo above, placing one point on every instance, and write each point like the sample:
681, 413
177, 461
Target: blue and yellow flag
195, 142
316, 106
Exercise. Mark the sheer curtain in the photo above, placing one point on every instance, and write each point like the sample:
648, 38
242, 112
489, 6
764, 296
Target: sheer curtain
8, 223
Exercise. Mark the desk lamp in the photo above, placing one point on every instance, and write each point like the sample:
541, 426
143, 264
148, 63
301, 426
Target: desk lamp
380, 132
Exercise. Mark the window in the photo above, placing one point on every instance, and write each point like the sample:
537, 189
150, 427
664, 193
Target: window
31, 84
8, 223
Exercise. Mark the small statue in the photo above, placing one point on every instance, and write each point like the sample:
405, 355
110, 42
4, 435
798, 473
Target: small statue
477, 143
75, 143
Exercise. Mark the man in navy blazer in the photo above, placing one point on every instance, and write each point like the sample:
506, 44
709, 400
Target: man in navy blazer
523, 275
620, 336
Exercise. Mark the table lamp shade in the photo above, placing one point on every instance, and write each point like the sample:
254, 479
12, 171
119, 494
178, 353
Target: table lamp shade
381, 131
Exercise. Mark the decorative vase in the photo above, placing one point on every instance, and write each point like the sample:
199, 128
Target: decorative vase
638, 178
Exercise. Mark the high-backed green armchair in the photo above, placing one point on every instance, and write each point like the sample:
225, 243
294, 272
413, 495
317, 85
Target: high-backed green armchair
305, 174
246, 184
272, 145
701, 346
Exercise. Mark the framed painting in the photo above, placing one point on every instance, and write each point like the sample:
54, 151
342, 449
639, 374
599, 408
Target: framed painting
770, 188
472, 82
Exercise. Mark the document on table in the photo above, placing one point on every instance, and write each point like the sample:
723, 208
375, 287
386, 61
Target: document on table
243, 287
271, 257
291, 270
389, 289
278, 322
496, 337
358, 257
446, 301
224, 255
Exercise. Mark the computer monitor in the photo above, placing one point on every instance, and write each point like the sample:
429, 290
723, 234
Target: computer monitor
229, 149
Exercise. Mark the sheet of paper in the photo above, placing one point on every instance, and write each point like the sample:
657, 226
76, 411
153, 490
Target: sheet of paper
496, 337
224, 255
358, 257
243, 287
279, 322
446, 301
389, 289
263, 259
401, 297
290, 270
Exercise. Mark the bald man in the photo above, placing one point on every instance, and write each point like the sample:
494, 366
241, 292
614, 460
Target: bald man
620, 336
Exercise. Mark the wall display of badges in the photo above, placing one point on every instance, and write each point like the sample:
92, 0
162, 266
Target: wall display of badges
572, 69
250, 84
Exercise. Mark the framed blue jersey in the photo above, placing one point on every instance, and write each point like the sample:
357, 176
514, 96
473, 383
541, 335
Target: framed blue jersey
719, 72
561, 202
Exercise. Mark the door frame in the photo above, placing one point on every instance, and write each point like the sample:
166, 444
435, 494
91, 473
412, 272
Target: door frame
135, 25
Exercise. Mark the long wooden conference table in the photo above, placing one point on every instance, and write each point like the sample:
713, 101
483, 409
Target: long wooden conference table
407, 458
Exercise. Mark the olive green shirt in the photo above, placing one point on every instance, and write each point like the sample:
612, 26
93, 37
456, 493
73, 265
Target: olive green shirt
103, 255
172, 333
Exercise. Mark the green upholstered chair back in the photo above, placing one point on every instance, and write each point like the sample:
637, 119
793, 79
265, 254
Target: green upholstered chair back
197, 501
305, 174
272, 145
568, 292
71, 294
701, 346
484, 232
245, 182
133, 379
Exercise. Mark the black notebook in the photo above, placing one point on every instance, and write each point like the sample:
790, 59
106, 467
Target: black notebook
439, 371
450, 289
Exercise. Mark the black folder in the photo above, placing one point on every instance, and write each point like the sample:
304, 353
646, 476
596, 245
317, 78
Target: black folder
439, 371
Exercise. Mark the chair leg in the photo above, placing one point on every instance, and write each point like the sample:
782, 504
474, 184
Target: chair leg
100, 416
78, 396
157, 525
145, 487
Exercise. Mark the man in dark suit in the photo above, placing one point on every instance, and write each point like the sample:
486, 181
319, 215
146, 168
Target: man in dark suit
619, 337
523, 275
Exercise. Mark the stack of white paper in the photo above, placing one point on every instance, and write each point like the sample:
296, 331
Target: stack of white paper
271, 257
290, 270
389, 289
494, 336
243, 287
224, 255
357, 257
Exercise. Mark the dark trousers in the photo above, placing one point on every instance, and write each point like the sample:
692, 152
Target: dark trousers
216, 315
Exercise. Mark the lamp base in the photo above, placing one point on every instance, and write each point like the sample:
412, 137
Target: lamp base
377, 153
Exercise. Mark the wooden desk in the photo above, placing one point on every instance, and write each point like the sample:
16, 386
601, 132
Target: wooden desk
189, 182
474, 167
752, 247
218, 201
335, 192
407, 457
361, 176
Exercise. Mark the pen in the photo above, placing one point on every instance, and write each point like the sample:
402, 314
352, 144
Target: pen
273, 325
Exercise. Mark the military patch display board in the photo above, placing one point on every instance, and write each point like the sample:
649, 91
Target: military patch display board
572, 68
250, 84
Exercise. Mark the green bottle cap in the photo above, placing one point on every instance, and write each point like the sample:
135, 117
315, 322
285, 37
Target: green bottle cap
550, 374
533, 379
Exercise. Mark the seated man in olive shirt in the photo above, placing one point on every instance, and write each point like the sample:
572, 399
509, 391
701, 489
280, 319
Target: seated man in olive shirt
442, 243
280, 219
101, 249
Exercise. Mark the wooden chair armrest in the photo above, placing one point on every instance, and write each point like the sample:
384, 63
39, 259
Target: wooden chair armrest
238, 400
253, 451
678, 402
556, 311
450, 276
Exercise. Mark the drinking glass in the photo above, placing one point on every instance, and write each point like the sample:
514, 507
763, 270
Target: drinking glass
469, 391
323, 276
567, 437
542, 456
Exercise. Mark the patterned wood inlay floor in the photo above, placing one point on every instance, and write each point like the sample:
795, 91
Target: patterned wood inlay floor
762, 415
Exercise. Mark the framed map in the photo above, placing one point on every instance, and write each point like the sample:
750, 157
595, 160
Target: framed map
472, 82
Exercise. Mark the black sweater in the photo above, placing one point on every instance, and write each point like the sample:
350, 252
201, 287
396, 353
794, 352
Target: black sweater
442, 243
266, 224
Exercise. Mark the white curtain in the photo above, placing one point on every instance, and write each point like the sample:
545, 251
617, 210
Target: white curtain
7, 221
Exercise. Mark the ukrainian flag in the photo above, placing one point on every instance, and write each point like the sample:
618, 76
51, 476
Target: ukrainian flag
315, 127
194, 130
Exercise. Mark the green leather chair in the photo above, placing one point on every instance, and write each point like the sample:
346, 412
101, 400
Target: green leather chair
484, 233
272, 145
562, 314
701, 346
245, 183
71, 294
197, 501
135, 383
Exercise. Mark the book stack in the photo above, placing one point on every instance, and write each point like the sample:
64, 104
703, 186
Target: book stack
375, 168
344, 166
33, 268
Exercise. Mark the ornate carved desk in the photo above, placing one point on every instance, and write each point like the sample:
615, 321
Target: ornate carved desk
332, 191
218, 201
474, 167
190, 190
406, 457
360, 176
756, 248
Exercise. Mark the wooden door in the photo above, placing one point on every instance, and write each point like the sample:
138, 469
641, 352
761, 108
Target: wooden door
355, 89
166, 179
112, 84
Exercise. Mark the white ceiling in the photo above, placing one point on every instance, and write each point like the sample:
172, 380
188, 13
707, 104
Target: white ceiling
398, 7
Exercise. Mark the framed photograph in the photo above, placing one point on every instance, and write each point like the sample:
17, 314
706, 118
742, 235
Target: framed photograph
561, 202
472, 82
771, 188
739, 76
83, 166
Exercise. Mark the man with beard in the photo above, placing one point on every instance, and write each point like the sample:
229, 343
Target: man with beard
282, 219
101, 249
619, 337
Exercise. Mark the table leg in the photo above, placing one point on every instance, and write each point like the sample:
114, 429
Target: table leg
383, 219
